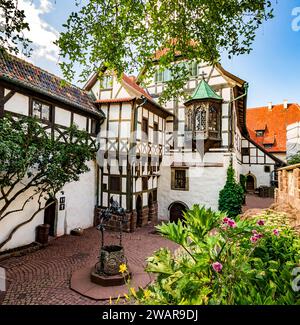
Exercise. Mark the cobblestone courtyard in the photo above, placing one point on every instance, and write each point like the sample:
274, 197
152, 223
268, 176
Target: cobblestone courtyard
43, 277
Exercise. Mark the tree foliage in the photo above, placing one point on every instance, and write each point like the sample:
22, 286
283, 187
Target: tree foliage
295, 159
231, 197
12, 26
34, 164
124, 35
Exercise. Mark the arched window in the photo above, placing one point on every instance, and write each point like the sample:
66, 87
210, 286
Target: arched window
189, 120
213, 120
200, 118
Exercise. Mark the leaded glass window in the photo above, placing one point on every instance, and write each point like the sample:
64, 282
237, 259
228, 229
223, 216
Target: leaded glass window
200, 119
213, 119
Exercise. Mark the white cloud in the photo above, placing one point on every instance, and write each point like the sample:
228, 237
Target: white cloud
41, 33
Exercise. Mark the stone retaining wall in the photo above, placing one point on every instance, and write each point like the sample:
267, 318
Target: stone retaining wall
289, 186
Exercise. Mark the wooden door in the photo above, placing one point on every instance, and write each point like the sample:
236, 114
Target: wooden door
50, 216
176, 212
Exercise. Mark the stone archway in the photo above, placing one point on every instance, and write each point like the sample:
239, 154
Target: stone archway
176, 210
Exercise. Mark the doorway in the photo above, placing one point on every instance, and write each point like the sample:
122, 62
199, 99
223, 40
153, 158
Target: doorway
50, 216
250, 183
176, 211
139, 211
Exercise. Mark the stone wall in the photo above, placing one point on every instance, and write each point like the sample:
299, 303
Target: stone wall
289, 186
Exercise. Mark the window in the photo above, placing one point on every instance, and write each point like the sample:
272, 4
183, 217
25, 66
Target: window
145, 129
107, 82
94, 127
201, 118
193, 69
179, 179
245, 151
213, 119
145, 183
159, 76
115, 183
268, 145
155, 133
154, 195
260, 133
267, 169
41, 110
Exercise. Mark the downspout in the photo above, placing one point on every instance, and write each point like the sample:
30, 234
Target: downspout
246, 88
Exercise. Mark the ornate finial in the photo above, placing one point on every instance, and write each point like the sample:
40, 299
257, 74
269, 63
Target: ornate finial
203, 75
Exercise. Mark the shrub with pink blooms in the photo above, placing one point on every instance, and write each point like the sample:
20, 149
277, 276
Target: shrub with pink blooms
224, 261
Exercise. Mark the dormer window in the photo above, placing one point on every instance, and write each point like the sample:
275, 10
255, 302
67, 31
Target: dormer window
260, 133
268, 145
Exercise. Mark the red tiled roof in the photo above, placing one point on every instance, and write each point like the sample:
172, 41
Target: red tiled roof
24, 74
134, 85
114, 100
276, 120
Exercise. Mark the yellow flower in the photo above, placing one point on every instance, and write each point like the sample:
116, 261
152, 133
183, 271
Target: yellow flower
122, 268
126, 296
110, 301
147, 294
132, 290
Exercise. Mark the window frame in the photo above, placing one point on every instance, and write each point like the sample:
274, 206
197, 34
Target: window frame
143, 138
105, 83
243, 151
110, 178
173, 178
260, 133
35, 99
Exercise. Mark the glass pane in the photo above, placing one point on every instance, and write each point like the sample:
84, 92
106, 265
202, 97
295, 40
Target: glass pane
45, 112
36, 108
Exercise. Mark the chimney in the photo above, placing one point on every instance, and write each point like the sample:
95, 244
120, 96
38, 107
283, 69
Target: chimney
270, 106
285, 104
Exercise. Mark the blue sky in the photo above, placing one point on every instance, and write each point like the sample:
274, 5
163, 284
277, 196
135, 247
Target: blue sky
272, 69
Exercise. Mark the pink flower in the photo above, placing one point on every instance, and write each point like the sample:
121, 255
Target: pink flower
231, 223
276, 232
254, 239
260, 222
217, 266
254, 232
225, 220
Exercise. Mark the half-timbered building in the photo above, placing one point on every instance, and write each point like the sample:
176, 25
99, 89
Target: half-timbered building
131, 147
203, 136
31, 91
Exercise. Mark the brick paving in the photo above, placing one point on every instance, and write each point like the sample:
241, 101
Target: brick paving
256, 202
43, 277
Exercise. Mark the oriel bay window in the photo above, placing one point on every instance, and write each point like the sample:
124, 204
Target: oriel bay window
204, 120
203, 114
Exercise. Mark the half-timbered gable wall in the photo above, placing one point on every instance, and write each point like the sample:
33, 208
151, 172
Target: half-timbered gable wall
131, 147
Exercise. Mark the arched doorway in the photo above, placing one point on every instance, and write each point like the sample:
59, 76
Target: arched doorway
250, 183
150, 206
139, 211
50, 216
176, 211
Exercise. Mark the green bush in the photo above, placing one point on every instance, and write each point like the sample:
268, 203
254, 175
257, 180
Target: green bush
231, 197
222, 261
295, 159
